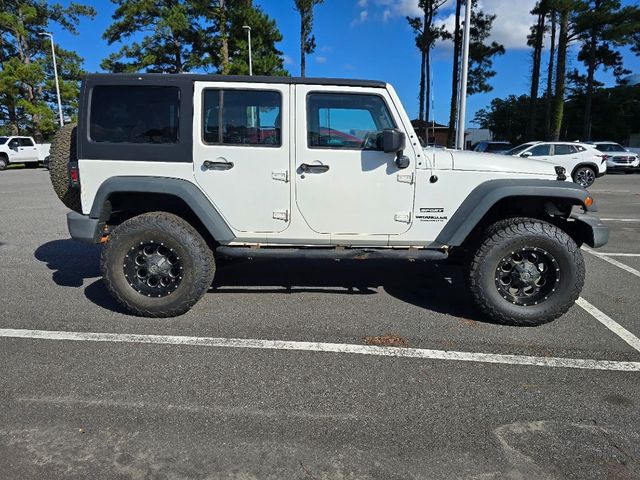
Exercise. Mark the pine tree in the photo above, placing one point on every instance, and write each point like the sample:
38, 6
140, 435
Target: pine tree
426, 36
603, 26
27, 90
481, 56
535, 40
307, 39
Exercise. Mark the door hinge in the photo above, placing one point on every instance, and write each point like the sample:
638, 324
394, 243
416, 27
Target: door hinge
280, 176
405, 178
281, 215
404, 217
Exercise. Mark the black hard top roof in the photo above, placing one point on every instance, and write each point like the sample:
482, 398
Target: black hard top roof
197, 77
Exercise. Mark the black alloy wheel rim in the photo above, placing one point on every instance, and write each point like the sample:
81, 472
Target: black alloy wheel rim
527, 276
153, 269
585, 177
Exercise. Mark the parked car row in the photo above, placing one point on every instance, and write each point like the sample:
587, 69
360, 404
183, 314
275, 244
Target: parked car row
584, 161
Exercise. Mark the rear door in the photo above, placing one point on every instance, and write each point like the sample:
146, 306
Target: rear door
28, 150
344, 184
241, 152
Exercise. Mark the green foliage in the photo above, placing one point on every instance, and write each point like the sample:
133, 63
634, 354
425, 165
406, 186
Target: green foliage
307, 39
508, 118
27, 86
481, 54
187, 35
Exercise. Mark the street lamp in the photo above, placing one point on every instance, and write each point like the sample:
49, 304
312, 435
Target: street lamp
55, 73
463, 79
248, 29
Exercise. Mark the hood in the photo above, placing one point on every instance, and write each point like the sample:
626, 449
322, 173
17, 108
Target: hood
489, 162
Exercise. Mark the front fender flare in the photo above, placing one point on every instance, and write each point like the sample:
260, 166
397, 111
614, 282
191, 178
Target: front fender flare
487, 194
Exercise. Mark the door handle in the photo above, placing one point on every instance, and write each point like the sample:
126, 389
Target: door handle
307, 168
209, 165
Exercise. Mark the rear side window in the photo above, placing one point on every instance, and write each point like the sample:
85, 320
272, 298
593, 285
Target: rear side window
242, 117
540, 150
26, 142
563, 150
134, 114
346, 121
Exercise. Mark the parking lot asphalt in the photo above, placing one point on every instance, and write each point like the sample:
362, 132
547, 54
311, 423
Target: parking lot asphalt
275, 381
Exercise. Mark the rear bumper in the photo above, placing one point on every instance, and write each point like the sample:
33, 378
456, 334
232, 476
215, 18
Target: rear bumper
591, 229
83, 228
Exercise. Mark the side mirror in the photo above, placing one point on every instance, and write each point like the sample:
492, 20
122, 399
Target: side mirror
526, 154
394, 141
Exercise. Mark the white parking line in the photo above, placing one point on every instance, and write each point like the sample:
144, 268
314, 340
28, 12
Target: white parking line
612, 261
609, 254
324, 347
620, 219
611, 324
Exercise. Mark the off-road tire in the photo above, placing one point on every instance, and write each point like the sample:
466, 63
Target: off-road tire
507, 236
196, 258
591, 173
64, 150
4, 163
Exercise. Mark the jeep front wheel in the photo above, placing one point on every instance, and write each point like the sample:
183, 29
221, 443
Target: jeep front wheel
157, 265
526, 272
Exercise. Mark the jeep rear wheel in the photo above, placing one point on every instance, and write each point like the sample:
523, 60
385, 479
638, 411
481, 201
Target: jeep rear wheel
526, 272
64, 150
157, 265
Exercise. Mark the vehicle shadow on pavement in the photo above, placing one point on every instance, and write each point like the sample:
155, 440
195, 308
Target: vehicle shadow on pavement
426, 285
72, 262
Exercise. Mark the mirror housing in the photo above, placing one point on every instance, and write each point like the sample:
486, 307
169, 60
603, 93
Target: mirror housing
526, 154
395, 141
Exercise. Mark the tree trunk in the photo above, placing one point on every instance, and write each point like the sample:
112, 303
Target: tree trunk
421, 95
558, 100
224, 38
303, 60
591, 69
457, 40
535, 76
549, 95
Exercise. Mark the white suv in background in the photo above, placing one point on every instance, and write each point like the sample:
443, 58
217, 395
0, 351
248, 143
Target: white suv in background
618, 157
581, 160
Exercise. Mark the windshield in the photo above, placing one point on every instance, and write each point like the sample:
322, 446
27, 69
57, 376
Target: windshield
3, 140
610, 147
519, 148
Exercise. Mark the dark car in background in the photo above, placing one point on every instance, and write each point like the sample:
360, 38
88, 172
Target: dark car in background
492, 147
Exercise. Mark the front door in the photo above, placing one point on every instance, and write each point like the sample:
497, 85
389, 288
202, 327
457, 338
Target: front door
344, 184
241, 153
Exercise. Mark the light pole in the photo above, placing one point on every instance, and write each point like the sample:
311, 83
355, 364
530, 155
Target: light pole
463, 78
248, 29
55, 73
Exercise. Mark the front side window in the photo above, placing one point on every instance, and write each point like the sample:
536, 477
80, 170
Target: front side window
346, 121
563, 150
134, 114
540, 150
242, 117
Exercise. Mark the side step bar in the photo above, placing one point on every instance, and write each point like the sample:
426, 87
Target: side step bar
332, 253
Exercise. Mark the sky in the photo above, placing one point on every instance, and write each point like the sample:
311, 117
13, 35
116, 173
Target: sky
370, 39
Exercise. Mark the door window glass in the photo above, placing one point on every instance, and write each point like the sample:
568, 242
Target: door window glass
248, 117
563, 150
540, 150
134, 114
26, 142
346, 121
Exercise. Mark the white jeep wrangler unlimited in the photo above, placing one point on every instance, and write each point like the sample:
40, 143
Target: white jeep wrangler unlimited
171, 171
